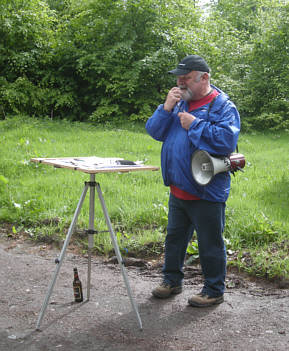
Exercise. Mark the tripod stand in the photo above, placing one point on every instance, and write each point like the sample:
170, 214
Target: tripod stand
92, 185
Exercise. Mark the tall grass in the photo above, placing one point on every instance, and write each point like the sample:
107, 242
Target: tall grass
41, 199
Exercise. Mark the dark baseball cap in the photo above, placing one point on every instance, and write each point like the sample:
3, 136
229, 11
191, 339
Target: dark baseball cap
191, 63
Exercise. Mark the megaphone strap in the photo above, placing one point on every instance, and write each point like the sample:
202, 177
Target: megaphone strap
209, 109
211, 105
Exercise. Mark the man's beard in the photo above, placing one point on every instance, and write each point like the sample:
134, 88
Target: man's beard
187, 94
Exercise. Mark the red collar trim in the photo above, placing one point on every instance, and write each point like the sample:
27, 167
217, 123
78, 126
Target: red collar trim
194, 104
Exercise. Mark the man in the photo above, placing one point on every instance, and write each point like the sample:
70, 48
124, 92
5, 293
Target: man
195, 115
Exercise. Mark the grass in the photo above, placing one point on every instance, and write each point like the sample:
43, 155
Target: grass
40, 200
257, 210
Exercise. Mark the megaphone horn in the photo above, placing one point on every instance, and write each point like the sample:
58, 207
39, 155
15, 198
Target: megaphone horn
205, 167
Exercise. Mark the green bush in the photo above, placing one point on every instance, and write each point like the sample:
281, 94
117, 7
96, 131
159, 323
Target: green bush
266, 121
108, 60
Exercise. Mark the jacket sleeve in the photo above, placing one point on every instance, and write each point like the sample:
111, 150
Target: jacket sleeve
218, 135
159, 123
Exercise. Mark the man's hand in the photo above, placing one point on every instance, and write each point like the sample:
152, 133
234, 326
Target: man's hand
186, 119
173, 97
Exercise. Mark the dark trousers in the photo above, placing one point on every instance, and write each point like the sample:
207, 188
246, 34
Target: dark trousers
207, 219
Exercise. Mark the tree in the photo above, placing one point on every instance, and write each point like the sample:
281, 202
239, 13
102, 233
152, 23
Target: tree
26, 38
267, 79
241, 14
105, 60
258, 64
123, 50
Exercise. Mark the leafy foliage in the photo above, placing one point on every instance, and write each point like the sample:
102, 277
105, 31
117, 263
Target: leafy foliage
31, 82
122, 50
25, 40
269, 69
259, 64
103, 61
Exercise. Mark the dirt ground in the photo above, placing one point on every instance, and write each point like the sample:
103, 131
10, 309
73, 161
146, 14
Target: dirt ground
254, 316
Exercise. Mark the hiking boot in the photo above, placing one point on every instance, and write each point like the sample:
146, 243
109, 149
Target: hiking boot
203, 300
166, 290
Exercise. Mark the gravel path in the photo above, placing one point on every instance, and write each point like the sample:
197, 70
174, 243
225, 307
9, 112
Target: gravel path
254, 316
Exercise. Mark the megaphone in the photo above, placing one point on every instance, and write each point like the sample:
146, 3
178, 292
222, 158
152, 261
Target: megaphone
205, 166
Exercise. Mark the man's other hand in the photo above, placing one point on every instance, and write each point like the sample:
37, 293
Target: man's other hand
186, 119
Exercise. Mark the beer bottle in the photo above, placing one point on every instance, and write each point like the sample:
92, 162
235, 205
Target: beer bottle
77, 287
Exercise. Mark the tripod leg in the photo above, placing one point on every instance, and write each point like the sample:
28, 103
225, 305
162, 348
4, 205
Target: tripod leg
91, 230
118, 255
61, 257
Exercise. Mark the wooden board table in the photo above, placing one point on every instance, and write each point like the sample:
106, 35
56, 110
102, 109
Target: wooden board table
91, 165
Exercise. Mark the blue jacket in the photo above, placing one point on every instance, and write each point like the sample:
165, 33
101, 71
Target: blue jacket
216, 132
